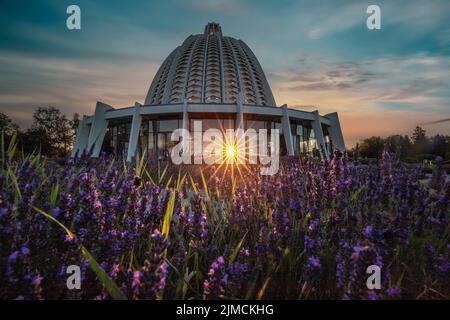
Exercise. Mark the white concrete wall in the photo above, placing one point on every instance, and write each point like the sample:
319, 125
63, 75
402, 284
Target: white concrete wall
286, 123
335, 130
317, 127
81, 140
134, 133
98, 129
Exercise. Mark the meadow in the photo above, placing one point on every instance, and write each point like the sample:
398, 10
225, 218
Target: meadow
151, 230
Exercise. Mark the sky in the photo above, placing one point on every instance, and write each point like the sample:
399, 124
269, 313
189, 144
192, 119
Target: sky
315, 54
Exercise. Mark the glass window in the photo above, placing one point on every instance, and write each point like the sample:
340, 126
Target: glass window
279, 127
212, 124
228, 124
161, 141
257, 125
150, 126
168, 125
312, 141
151, 141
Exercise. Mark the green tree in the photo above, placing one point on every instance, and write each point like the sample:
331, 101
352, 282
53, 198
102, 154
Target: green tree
7, 125
371, 147
421, 144
441, 145
399, 144
56, 128
419, 135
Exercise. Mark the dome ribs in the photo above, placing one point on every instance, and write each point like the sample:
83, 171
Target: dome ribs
210, 68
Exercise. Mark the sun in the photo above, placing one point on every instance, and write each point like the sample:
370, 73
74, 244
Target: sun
230, 151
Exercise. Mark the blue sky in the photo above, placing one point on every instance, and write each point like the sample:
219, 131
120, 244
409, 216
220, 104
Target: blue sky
316, 55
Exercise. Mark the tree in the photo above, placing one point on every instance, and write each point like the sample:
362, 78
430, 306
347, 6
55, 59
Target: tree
35, 140
75, 122
421, 144
371, 147
419, 135
441, 145
399, 144
7, 125
55, 128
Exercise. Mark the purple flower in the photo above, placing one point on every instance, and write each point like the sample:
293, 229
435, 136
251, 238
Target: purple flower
56, 212
372, 295
314, 262
394, 292
13, 257
214, 286
25, 251
368, 231
136, 279
356, 251
37, 280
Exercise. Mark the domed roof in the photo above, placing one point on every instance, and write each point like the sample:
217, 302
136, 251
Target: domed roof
210, 68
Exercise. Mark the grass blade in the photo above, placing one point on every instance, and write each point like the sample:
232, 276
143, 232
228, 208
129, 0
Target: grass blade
107, 282
205, 186
168, 215
238, 247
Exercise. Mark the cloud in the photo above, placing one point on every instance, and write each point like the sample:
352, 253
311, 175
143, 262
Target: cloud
69, 84
437, 121
391, 93
337, 19
416, 17
414, 78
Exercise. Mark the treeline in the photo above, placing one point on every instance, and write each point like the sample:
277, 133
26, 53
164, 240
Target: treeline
51, 132
412, 149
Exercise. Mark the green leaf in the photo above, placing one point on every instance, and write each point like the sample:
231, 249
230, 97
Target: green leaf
45, 214
107, 282
18, 194
149, 176
161, 177
168, 215
205, 186
237, 248
54, 195
140, 165
12, 146
193, 184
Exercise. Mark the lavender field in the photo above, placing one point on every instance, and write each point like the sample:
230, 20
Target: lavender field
154, 231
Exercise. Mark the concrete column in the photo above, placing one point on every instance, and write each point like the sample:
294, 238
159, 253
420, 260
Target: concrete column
185, 115
186, 139
134, 133
240, 111
81, 140
287, 131
335, 131
317, 127
98, 129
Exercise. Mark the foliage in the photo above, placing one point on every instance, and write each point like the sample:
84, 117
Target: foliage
7, 125
51, 133
59, 132
417, 149
147, 231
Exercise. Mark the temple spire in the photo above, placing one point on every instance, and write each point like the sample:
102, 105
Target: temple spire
212, 27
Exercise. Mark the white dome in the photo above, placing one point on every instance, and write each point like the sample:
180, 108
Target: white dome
210, 68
